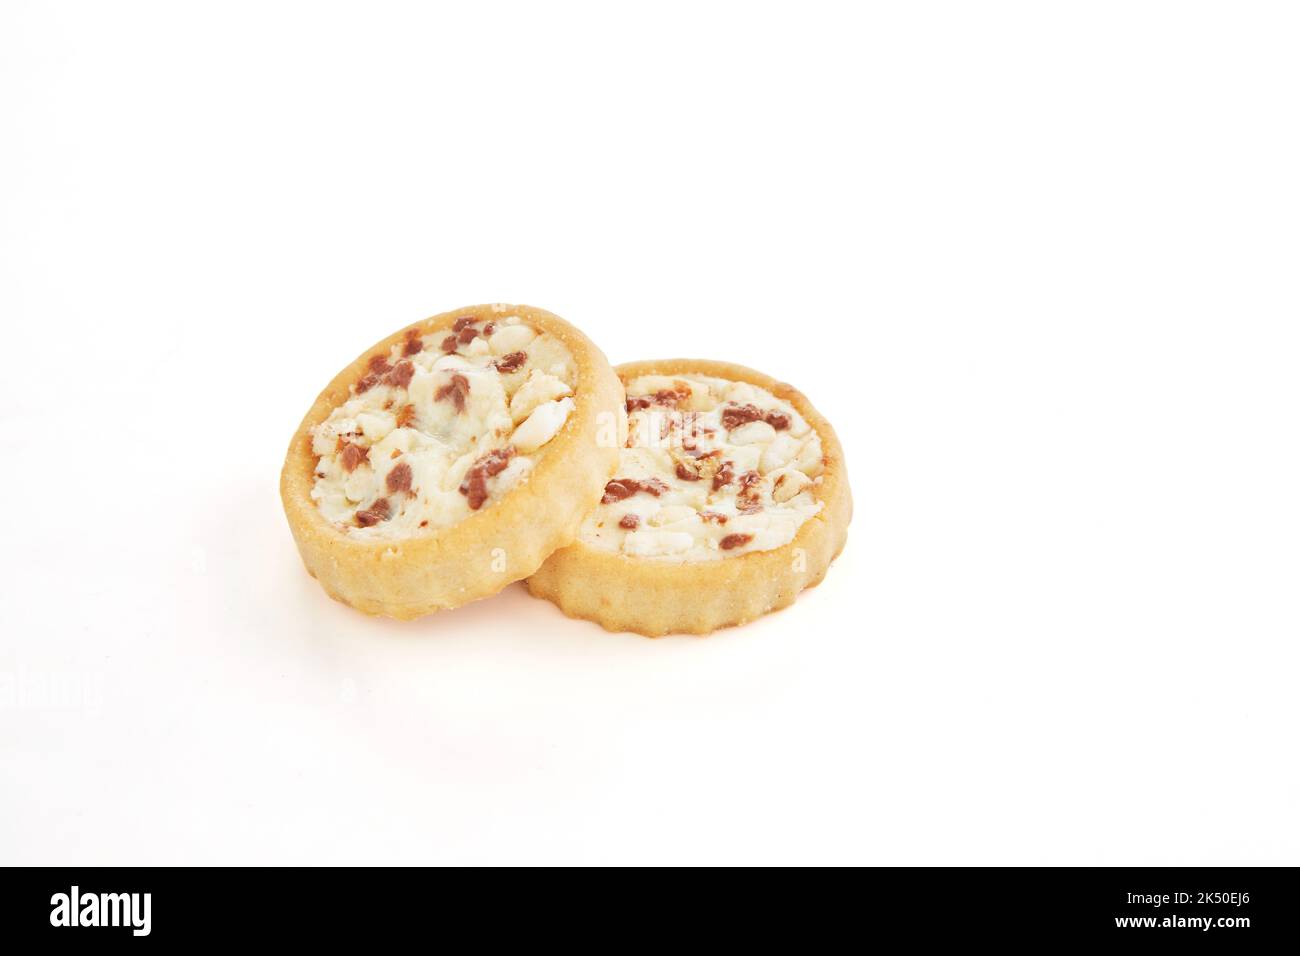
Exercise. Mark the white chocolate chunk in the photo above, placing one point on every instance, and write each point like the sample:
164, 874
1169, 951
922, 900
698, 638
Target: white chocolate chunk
519, 468
671, 514
809, 460
358, 485
753, 433
741, 393
510, 338
701, 398
649, 384
779, 452
420, 391
538, 388
325, 441
745, 457
452, 361
399, 439
549, 354
542, 425
375, 425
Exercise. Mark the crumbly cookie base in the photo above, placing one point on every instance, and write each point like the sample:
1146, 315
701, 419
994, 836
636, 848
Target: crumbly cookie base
654, 597
477, 557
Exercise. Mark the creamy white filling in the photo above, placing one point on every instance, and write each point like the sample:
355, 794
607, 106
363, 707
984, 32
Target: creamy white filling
427, 429
758, 462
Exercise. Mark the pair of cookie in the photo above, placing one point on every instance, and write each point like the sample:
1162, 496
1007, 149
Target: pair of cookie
495, 443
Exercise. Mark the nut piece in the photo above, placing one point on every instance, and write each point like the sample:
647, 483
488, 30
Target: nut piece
788, 482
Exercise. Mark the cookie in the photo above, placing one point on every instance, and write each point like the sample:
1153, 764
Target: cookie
730, 497
451, 459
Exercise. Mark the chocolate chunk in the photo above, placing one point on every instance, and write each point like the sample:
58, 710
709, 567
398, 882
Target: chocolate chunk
667, 397
353, 455
457, 389
399, 479
747, 496
724, 476
621, 488
747, 502
511, 362
474, 487
618, 489
733, 416
400, 375
378, 511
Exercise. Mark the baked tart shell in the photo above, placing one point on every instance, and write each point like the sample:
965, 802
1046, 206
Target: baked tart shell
653, 597
447, 567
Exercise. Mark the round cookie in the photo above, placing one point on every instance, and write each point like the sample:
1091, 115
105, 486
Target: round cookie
730, 497
451, 458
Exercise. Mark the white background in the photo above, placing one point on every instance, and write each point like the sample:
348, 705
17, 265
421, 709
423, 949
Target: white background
1037, 262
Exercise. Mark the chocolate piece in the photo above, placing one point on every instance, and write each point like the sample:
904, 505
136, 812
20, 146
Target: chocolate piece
724, 476
621, 488
511, 362
457, 389
353, 455
733, 416
400, 375
399, 479
378, 511
474, 487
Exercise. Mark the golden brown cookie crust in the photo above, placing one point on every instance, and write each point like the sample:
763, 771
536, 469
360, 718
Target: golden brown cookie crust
446, 567
654, 597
